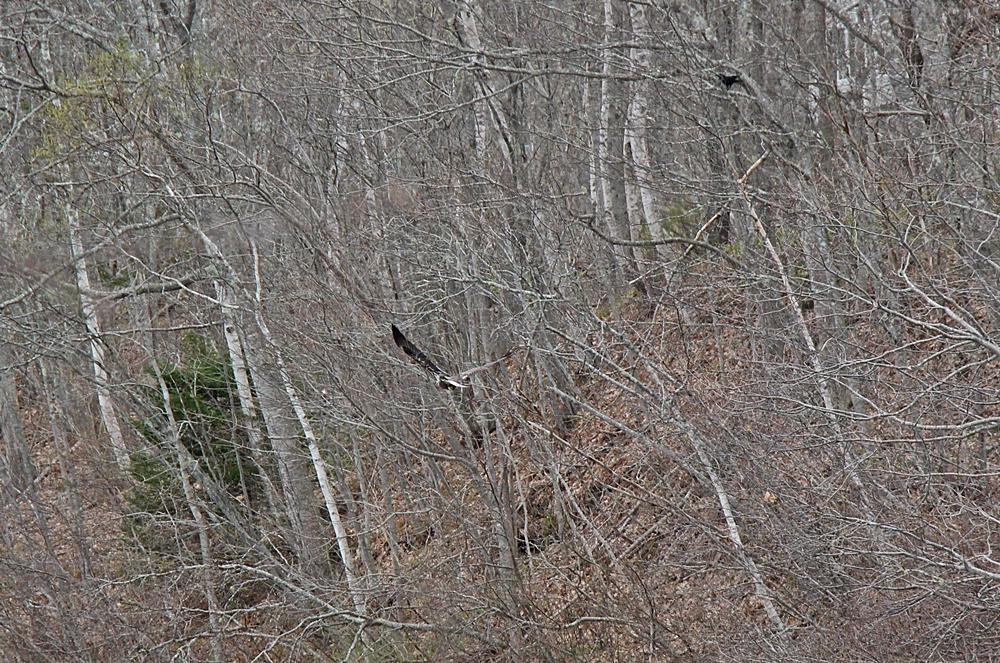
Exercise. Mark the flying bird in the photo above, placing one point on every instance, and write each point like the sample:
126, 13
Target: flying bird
730, 80
444, 381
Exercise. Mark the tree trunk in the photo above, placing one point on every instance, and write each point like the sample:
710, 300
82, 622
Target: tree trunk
611, 142
16, 469
108, 414
638, 150
186, 463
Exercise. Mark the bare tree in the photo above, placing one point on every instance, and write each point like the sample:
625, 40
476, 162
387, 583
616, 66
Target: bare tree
745, 254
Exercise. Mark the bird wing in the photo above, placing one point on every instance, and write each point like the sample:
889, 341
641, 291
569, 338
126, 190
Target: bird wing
414, 352
464, 375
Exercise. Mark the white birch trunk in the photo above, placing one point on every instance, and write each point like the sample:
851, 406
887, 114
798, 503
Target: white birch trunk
247, 361
486, 103
733, 530
185, 463
815, 361
604, 128
242, 377
319, 465
635, 136
610, 147
638, 118
108, 414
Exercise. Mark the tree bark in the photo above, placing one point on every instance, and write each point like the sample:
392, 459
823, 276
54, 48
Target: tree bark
16, 468
97, 353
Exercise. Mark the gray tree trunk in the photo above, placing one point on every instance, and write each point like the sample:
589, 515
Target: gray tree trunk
16, 468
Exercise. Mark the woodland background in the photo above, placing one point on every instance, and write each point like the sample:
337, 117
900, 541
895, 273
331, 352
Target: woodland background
745, 257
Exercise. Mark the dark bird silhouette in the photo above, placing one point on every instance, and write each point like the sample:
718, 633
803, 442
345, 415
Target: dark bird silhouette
444, 381
730, 80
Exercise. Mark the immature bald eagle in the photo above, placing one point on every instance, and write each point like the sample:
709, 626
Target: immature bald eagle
460, 381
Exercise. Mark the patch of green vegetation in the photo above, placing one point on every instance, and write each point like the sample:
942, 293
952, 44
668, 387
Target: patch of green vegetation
680, 216
112, 275
106, 82
202, 399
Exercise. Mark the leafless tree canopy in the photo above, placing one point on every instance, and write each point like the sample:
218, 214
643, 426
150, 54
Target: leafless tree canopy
729, 271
